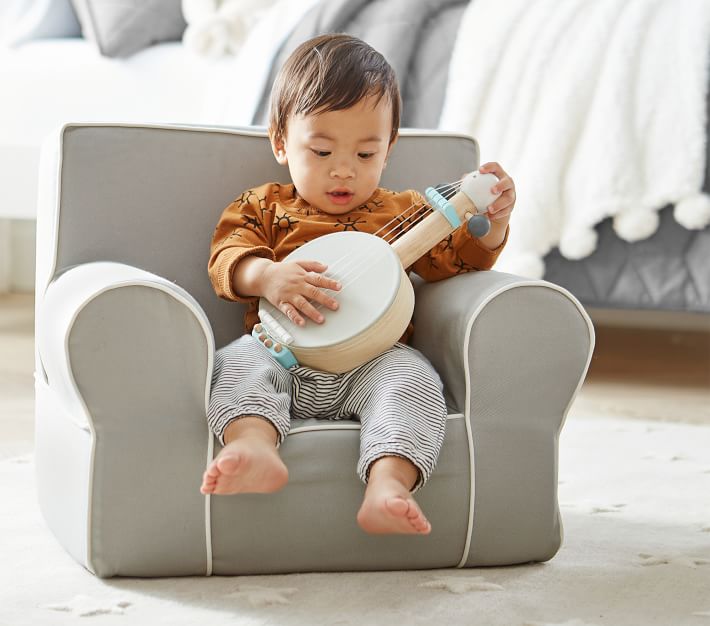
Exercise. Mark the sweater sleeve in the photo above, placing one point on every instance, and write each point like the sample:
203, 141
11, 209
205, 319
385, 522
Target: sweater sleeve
242, 230
457, 254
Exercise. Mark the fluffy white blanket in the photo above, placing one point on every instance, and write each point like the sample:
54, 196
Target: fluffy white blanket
597, 108
239, 40
216, 28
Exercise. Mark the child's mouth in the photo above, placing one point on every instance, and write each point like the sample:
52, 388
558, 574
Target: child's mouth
340, 197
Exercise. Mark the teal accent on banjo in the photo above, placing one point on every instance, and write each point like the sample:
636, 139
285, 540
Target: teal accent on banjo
376, 300
440, 203
276, 340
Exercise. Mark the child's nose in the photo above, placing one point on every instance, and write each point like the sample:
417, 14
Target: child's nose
342, 170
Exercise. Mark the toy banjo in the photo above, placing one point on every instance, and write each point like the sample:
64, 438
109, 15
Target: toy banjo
376, 298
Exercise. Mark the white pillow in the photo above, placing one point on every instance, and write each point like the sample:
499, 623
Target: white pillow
25, 20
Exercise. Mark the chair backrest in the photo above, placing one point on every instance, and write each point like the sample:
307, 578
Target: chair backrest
151, 196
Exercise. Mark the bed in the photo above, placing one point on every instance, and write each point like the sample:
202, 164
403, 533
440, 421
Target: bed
666, 271
661, 272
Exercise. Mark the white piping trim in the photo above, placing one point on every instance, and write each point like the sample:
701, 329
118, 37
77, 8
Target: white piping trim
307, 429
330, 425
208, 508
92, 453
467, 421
88, 422
252, 130
55, 224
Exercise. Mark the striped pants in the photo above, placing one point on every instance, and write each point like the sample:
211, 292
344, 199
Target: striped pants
397, 396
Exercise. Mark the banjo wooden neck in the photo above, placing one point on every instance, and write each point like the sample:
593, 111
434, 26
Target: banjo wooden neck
419, 239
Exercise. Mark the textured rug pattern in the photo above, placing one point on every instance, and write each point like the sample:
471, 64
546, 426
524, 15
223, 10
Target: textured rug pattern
635, 501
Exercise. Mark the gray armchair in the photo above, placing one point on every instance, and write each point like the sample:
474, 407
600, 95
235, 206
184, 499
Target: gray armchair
126, 328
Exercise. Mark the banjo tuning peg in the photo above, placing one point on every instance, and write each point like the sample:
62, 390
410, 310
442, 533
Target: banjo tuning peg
479, 225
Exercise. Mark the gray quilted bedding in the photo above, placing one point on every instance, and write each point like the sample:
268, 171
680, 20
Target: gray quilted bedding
668, 271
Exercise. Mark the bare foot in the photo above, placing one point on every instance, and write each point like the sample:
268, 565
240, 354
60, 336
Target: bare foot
245, 465
388, 506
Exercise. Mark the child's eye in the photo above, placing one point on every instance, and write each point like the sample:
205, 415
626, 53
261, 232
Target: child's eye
320, 153
366, 155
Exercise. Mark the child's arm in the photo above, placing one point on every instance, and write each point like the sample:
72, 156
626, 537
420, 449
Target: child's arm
498, 212
243, 264
289, 286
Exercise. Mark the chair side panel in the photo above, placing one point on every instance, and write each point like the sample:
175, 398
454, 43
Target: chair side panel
139, 359
525, 371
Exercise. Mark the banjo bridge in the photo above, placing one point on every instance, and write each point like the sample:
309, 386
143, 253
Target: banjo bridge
275, 338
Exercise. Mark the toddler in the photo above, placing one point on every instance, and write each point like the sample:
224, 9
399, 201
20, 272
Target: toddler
334, 120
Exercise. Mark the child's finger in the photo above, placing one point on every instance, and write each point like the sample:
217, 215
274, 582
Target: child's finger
496, 217
322, 298
290, 311
492, 167
318, 280
503, 205
310, 311
312, 266
503, 185
312, 293
500, 212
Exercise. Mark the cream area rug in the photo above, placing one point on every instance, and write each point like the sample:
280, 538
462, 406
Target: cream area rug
635, 500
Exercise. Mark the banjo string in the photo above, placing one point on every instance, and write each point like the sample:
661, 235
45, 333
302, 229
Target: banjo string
359, 269
403, 229
349, 263
347, 278
399, 225
445, 188
402, 226
363, 268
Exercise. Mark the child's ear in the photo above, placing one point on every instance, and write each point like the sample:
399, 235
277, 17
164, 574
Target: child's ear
389, 150
279, 149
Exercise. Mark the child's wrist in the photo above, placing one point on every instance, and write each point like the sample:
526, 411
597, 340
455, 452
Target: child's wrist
496, 235
248, 277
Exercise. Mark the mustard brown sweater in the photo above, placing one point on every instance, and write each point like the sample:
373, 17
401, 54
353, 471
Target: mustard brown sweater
272, 220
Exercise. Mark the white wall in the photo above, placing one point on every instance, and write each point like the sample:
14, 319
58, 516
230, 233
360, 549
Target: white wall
17, 255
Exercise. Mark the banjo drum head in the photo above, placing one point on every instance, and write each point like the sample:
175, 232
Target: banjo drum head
369, 272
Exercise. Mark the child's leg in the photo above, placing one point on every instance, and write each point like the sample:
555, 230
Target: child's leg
388, 506
249, 413
249, 461
399, 399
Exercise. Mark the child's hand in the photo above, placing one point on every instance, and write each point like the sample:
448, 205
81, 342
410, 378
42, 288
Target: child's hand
501, 209
291, 286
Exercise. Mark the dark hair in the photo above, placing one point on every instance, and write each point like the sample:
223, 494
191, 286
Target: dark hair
330, 73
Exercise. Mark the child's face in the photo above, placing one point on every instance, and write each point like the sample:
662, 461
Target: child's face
336, 158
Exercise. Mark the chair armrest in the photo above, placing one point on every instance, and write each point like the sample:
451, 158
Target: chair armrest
512, 354
129, 354
73, 295
451, 314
